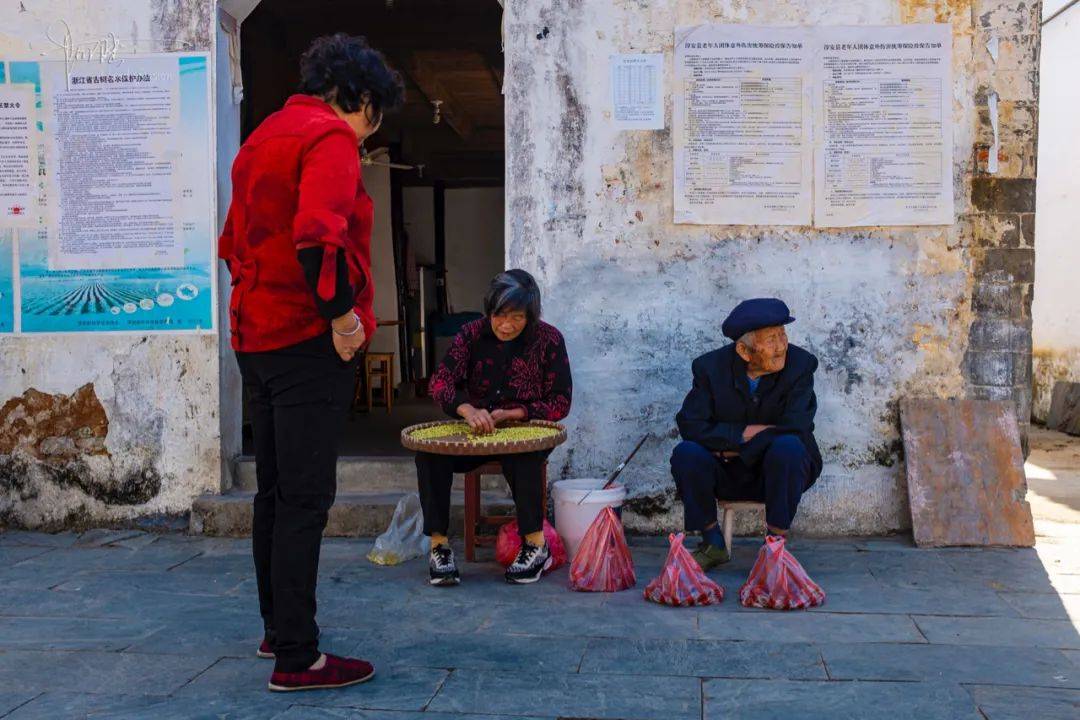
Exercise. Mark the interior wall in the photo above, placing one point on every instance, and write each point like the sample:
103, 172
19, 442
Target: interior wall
475, 220
377, 183
1056, 309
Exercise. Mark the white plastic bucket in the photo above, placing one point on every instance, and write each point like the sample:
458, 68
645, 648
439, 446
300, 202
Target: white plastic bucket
571, 519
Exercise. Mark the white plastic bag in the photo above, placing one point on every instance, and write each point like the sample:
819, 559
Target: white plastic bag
404, 539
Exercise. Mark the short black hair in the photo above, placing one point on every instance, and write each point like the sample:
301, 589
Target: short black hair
513, 290
347, 70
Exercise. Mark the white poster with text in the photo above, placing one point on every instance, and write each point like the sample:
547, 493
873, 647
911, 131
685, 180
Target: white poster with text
742, 125
18, 157
115, 198
883, 153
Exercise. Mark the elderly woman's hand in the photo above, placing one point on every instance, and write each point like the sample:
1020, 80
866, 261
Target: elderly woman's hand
348, 334
480, 421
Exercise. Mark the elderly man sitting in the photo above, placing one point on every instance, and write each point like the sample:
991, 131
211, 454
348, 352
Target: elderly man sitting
747, 426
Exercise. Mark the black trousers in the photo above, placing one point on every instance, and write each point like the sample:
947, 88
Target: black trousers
779, 481
523, 471
299, 397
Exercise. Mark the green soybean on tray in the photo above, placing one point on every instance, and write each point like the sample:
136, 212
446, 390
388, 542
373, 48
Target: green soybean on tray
456, 438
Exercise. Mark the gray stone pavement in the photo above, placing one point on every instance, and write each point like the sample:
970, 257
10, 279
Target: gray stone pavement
121, 624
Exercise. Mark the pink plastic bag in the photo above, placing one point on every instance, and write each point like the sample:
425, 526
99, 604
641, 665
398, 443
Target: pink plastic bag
508, 544
603, 562
778, 581
682, 582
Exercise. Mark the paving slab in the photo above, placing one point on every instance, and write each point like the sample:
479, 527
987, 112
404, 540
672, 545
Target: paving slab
1048, 606
621, 697
40, 539
11, 700
947, 600
703, 658
308, 712
213, 636
800, 627
965, 473
642, 620
89, 672
1019, 632
1011, 703
85, 705
390, 689
11, 554
987, 665
35, 633
783, 700
477, 651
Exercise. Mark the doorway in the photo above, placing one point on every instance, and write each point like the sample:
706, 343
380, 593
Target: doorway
435, 171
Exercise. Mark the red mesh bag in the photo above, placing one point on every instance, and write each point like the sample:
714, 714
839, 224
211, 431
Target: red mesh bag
778, 581
603, 562
508, 543
682, 582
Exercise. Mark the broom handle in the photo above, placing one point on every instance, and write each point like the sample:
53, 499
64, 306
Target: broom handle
615, 473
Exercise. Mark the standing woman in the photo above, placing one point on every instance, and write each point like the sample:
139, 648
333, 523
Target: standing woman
508, 365
297, 244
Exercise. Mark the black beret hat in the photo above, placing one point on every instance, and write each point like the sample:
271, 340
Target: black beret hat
755, 314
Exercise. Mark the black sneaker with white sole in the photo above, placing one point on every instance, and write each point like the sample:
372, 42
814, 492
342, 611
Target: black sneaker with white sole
442, 567
530, 564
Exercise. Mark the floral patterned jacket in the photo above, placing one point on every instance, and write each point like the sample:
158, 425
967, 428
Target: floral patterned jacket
530, 372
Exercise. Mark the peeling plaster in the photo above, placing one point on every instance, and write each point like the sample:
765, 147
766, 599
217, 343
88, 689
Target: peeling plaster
887, 310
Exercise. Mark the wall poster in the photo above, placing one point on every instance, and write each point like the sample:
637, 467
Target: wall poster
124, 238
830, 126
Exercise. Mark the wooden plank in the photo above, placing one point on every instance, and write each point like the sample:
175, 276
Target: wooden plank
965, 473
1065, 408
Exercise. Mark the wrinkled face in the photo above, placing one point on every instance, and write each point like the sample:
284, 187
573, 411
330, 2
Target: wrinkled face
508, 324
768, 353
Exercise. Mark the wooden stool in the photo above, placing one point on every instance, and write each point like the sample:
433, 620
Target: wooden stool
473, 518
729, 507
380, 365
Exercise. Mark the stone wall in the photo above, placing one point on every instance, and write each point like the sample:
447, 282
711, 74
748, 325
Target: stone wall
930, 311
104, 428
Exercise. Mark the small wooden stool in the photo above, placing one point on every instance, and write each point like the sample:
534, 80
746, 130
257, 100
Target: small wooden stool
380, 365
729, 507
473, 518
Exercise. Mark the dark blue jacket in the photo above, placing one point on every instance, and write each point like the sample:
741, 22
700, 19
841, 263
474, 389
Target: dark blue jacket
720, 405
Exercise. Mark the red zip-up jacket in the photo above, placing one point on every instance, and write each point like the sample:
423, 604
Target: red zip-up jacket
296, 185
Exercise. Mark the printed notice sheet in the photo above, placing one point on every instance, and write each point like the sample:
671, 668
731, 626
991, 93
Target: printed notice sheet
18, 157
637, 96
113, 157
884, 126
742, 125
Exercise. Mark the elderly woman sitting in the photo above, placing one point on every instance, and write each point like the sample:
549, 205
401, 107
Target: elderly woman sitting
508, 365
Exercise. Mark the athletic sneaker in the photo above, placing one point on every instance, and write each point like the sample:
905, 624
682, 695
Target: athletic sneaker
337, 672
442, 567
530, 564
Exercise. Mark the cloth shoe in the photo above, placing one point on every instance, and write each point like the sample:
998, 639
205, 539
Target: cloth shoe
337, 672
709, 556
530, 564
441, 566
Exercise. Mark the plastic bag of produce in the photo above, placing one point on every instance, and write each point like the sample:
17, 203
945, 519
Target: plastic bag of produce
682, 582
777, 580
603, 562
404, 539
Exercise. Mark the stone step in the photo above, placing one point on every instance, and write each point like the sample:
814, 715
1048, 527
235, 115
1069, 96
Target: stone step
360, 474
353, 514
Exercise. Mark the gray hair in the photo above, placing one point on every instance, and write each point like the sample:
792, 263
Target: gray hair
747, 339
513, 290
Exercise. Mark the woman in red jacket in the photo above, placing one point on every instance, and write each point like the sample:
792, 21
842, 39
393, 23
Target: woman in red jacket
297, 244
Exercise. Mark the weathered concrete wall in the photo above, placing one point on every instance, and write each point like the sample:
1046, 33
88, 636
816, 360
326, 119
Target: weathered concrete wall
98, 428
933, 311
1056, 308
